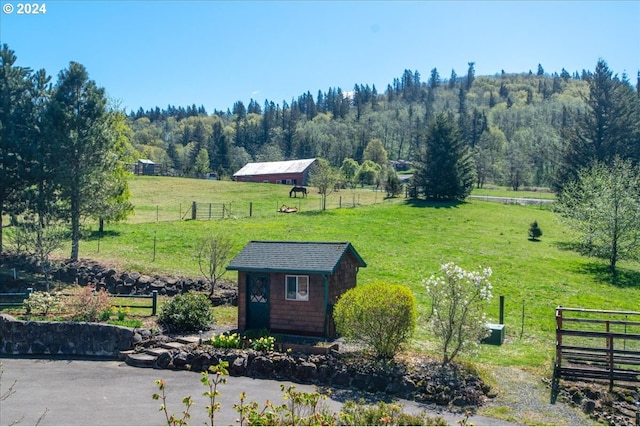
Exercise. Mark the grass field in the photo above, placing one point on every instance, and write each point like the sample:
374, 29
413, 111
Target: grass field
401, 241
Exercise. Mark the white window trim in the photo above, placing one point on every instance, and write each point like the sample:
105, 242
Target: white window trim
299, 296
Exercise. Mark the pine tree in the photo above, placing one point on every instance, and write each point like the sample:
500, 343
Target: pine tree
534, 231
609, 128
445, 170
83, 142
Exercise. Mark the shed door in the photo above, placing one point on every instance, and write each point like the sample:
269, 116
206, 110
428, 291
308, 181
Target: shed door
257, 301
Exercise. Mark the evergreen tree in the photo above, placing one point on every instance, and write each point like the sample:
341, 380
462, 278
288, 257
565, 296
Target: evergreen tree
80, 132
21, 95
452, 79
609, 128
471, 72
445, 169
534, 231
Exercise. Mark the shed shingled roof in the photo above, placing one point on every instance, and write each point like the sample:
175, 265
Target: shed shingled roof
293, 257
269, 168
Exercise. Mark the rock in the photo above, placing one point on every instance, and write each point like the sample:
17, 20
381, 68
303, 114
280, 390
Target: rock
238, 366
163, 360
306, 371
262, 367
180, 360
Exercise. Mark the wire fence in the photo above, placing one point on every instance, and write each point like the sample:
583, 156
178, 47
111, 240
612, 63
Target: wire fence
212, 210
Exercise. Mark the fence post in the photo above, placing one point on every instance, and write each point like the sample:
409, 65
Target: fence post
610, 355
250, 209
154, 302
193, 210
558, 337
29, 291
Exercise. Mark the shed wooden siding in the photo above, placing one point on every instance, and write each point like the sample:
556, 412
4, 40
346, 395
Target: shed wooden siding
341, 281
302, 317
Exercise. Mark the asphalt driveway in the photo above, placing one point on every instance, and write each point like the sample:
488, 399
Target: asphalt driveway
93, 393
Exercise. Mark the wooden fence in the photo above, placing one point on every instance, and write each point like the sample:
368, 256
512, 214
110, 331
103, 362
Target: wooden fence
597, 345
16, 299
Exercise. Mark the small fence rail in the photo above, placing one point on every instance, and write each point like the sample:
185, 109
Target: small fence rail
597, 345
16, 299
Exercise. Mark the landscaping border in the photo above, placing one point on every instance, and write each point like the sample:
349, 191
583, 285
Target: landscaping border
83, 339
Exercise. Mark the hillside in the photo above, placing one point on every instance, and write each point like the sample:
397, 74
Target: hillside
511, 121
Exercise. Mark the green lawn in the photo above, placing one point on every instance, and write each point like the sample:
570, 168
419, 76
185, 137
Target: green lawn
401, 242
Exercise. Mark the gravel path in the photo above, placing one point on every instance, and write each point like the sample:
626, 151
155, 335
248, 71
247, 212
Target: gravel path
524, 399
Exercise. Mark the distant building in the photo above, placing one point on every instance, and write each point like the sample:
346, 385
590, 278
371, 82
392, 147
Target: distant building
145, 167
290, 172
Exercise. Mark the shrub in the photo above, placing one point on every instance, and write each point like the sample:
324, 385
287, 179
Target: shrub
41, 303
188, 312
226, 341
458, 298
386, 414
89, 305
380, 316
263, 343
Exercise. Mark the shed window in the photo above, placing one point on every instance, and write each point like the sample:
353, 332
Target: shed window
297, 288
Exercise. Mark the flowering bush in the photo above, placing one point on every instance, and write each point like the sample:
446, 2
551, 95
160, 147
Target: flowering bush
263, 344
458, 299
226, 341
41, 303
122, 312
89, 305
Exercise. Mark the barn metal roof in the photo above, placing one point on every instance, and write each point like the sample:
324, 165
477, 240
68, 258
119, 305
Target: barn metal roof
293, 257
269, 168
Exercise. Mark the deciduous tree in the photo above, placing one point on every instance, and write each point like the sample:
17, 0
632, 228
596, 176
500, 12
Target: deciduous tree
458, 298
323, 176
603, 205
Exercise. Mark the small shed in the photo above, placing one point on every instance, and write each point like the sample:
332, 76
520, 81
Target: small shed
290, 172
291, 287
145, 167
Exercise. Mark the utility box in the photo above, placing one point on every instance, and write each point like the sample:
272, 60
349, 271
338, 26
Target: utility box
497, 334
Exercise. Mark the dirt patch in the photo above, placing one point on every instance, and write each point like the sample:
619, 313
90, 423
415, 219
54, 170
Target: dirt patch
524, 398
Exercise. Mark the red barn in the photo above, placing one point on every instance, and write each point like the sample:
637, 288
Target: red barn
291, 287
290, 172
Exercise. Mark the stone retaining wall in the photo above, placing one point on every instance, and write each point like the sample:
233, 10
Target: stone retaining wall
87, 272
18, 337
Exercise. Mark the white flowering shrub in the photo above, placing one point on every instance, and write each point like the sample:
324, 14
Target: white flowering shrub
458, 298
41, 303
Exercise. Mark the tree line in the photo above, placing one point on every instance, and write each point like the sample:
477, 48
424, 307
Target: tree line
514, 124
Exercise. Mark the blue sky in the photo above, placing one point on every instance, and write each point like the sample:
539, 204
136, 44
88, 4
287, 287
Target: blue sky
213, 53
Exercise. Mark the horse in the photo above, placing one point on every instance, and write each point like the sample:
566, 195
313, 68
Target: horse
296, 190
